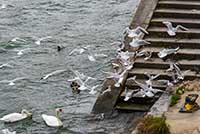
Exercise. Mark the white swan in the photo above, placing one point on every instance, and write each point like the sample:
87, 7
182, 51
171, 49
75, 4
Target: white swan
14, 117
53, 121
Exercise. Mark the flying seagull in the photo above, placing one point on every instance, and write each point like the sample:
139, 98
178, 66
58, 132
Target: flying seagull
172, 30
38, 41
17, 39
151, 78
138, 42
12, 82
135, 33
5, 65
166, 52
53, 73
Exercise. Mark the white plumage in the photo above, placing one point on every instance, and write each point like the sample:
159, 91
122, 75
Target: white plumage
14, 117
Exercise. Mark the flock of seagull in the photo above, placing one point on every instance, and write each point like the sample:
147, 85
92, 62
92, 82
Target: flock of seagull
123, 65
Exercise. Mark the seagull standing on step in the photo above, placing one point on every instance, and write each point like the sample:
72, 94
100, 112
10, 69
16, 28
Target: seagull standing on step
172, 30
165, 52
135, 33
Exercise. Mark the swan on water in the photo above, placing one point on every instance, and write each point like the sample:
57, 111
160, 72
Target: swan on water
14, 117
53, 121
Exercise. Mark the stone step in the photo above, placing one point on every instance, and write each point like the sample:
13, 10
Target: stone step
139, 73
130, 84
187, 54
161, 32
177, 13
157, 63
179, 4
189, 23
172, 42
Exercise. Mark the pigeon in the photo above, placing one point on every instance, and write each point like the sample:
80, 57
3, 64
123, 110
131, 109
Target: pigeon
165, 52
38, 41
6, 131
53, 73
172, 30
12, 82
135, 33
138, 42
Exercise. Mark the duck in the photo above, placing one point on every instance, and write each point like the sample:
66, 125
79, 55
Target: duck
53, 121
14, 117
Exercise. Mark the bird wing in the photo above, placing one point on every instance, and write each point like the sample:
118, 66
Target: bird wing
141, 29
182, 28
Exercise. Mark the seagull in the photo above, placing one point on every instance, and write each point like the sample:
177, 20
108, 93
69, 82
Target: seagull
38, 41
79, 50
101, 55
128, 94
151, 78
53, 73
107, 90
147, 54
172, 30
125, 55
135, 33
117, 77
20, 52
6, 131
17, 39
146, 89
166, 52
93, 91
91, 58
138, 42
82, 79
12, 82
3, 6
5, 65
166, 82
